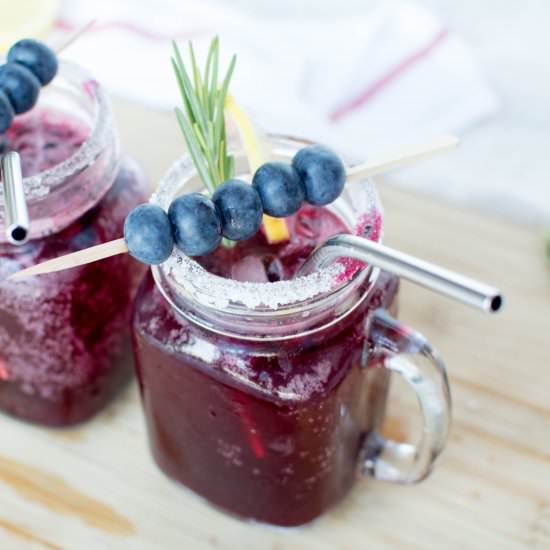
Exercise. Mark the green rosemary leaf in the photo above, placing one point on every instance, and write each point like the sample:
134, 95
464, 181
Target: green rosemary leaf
199, 137
196, 75
177, 64
181, 87
202, 118
220, 128
211, 136
221, 161
228, 75
196, 114
205, 101
213, 84
218, 120
181, 84
229, 166
212, 145
208, 154
207, 77
194, 150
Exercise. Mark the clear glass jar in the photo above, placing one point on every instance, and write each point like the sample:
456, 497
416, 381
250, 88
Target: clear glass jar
60, 334
266, 398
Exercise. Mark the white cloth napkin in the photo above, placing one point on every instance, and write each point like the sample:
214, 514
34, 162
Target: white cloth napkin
362, 83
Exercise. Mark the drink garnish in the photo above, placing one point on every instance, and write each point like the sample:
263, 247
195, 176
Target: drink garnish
30, 65
149, 234
233, 209
204, 105
376, 165
202, 118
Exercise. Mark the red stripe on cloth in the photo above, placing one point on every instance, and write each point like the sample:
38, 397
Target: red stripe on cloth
65, 25
378, 85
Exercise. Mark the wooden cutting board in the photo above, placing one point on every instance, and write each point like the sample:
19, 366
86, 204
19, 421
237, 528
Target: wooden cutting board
95, 487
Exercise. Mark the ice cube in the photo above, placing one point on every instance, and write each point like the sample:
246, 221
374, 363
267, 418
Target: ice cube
249, 269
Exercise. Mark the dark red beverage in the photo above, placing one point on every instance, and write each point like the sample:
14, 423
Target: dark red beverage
61, 333
268, 428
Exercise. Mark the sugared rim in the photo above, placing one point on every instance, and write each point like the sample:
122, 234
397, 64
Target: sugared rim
40, 185
192, 280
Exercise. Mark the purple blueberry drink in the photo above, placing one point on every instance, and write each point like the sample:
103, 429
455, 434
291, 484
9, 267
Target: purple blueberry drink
60, 334
264, 393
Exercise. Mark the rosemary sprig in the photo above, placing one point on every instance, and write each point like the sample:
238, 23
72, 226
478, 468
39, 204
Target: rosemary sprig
202, 117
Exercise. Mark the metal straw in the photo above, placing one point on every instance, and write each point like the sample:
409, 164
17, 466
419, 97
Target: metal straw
418, 271
15, 205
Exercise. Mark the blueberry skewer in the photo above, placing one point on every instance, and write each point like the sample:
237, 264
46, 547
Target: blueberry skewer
30, 65
376, 165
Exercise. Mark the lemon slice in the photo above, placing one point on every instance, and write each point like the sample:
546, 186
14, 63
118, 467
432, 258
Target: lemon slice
275, 229
25, 19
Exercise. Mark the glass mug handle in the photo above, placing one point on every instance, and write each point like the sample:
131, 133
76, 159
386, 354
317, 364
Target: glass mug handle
406, 352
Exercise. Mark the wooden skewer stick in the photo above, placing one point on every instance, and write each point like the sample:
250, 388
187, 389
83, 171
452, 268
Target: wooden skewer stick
67, 41
375, 166
404, 156
397, 158
86, 256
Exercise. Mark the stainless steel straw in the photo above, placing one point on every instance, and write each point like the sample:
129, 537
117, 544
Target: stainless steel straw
15, 205
418, 271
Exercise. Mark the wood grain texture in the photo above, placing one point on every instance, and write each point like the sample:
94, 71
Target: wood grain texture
490, 488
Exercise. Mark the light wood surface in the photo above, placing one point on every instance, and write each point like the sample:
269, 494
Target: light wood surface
95, 487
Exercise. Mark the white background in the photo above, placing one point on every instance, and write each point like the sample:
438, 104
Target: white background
503, 166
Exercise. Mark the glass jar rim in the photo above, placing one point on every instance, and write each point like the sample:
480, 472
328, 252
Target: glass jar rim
182, 280
41, 184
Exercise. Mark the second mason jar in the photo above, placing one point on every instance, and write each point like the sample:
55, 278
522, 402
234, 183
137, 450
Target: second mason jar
61, 333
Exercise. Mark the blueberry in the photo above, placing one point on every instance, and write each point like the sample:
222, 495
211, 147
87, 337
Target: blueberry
148, 234
36, 57
322, 172
196, 224
6, 112
240, 209
20, 85
280, 189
